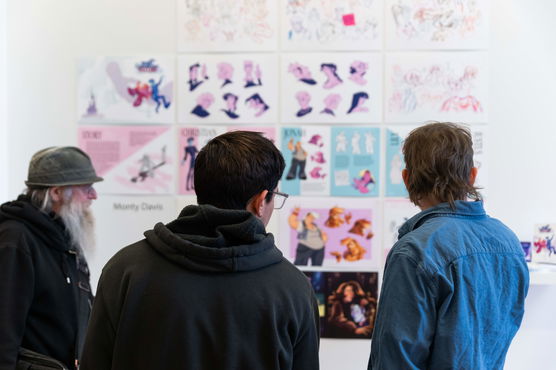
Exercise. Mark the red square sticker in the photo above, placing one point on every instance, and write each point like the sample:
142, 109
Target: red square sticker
349, 19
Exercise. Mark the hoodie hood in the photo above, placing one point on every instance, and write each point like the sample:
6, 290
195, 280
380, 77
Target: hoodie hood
206, 238
45, 227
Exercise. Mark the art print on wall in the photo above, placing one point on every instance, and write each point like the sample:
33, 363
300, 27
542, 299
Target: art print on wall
544, 246
223, 25
441, 87
396, 213
331, 25
433, 24
223, 89
329, 232
331, 88
479, 135
125, 90
132, 159
355, 161
395, 136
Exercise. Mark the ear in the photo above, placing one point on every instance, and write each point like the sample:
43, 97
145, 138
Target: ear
473, 175
56, 194
405, 176
257, 203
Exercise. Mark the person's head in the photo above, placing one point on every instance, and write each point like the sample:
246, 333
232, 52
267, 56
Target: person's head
193, 70
248, 67
358, 100
231, 101
239, 170
310, 218
299, 71
190, 140
439, 165
60, 180
328, 68
303, 99
205, 100
348, 290
332, 100
256, 101
358, 67
225, 71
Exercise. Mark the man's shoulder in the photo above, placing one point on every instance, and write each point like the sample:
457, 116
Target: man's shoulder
14, 233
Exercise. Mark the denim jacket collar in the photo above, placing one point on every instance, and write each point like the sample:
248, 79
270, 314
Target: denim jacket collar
463, 208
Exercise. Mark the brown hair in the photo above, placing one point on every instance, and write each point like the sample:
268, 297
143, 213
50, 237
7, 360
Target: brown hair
439, 158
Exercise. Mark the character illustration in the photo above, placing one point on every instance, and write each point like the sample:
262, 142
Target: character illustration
332, 78
316, 140
303, 99
140, 91
92, 106
362, 227
302, 73
358, 102
355, 147
190, 151
341, 142
369, 143
311, 240
156, 96
231, 105
204, 101
299, 159
318, 157
461, 104
331, 103
336, 217
250, 76
225, 73
365, 180
148, 167
194, 80
351, 311
396, 170
256, 102
357, 72
354, 251
545, 240
316, 173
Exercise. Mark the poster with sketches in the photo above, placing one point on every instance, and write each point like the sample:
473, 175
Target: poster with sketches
122, 220
396, 213
306, 151
355, 161
224, 88
479, 135
330, 232
347, 302
544, 246
436, 86
125, 90
433, 24
395, 136
224, 25
331, 25
331, 88
132, 159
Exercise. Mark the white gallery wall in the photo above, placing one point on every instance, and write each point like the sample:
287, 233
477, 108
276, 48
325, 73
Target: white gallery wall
44, 39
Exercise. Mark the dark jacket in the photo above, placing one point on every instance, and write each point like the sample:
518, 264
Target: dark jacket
210, 290
39, 279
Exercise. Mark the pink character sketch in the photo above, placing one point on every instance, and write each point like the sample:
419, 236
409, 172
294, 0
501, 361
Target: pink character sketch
252, 75
303, 99
316, 173
357, 72
318, 157
365, 180
141, 91
316, 140
257, 103
332, 78
358, 103
231, 105
225, 73
301, 73
331, 103
194, 79
204, 101
462, 103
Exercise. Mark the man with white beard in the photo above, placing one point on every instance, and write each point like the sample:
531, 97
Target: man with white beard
45, 296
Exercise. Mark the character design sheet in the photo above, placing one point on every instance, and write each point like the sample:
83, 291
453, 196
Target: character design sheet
544, 246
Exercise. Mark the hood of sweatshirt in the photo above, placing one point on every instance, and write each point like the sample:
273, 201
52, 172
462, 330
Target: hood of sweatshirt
46, 227
206, 238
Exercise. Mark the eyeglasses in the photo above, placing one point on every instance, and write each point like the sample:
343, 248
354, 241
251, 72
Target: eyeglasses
279, 199
86, 189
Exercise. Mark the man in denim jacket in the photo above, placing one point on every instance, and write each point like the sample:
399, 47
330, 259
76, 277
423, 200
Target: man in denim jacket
455, 282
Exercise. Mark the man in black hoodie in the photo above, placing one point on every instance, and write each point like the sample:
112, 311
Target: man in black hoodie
209, 290
45, 297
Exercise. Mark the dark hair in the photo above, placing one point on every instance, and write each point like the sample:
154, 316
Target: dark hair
194, 65
227, 95
235, 166
355, 99
333, 68
439, 158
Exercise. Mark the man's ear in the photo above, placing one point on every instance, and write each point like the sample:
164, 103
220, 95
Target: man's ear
56, 193
405, 176
257, 203
473, 175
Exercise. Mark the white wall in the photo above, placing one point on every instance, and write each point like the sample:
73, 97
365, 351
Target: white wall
3, 108
45, 37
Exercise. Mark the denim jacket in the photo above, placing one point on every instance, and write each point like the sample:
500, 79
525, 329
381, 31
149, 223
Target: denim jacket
452, 294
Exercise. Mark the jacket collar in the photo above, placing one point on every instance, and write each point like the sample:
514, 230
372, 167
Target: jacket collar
463, 208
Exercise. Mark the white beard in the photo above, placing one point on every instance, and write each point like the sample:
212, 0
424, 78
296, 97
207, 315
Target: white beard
80, 224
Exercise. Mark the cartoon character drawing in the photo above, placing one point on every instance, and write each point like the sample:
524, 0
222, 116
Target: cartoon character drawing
140, 91
331, 103
251, 75
316, 173
303, 99
225, 73
316, 140
302, 73
544, 240
336, 217
318, 157
231, 105
311, 240
357, 71
358, 102
156, 96
354, 251
362, 227
364, 181
148, 167
190, 151
341, 142
355, 147
194, 80
396, 169
369, 143
92, 106
299, 160
332, 78
256, 102
204, 101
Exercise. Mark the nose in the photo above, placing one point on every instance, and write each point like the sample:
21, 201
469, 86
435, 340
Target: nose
92, 194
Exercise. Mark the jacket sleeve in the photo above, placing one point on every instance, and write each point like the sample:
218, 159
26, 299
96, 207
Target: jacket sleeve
16, 295
306, 349
99, 343
406, 317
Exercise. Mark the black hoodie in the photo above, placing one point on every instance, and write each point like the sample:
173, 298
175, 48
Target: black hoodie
209, 290
39, 279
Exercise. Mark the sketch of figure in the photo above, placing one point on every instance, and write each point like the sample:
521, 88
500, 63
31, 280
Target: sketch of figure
92, 106
303, 99
365, 180
157, 96
317, 174
190, 151
396, 170
299, 159
355, 147
225, 73
204, 101
311, 240
148, 167
194, 80
332, 78
317, 140
231, 105
256, 102
369, 143
358, 102
341, 142
459, 87
331, 103
357, 72
140, 91
302, 73
250, 75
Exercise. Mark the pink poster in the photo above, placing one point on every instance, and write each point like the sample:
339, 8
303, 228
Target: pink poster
132, 159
